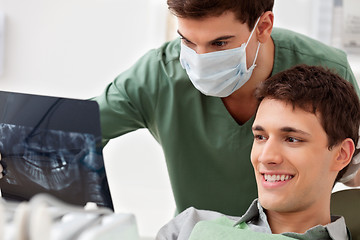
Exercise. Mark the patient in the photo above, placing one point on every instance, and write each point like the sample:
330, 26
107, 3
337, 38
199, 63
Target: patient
305, 133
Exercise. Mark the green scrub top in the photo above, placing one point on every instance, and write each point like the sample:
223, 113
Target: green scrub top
207, 152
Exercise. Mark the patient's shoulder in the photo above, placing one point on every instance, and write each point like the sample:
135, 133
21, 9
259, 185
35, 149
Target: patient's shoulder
181, 226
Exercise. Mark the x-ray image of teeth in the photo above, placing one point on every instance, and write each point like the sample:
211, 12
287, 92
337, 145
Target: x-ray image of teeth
51, 161
52, 145
47, 161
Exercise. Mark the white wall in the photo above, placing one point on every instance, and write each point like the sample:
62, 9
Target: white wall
317, 19
73, 48
80, 45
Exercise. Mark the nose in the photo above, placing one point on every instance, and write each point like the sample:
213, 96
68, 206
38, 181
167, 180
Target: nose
201, 50
270, 152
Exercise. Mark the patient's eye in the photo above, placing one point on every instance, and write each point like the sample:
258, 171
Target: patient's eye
293, 140
259, 137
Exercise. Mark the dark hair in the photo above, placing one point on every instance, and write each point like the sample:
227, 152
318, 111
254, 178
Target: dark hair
318, 90
246, 11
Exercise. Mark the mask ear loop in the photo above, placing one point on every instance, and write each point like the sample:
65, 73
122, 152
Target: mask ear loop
256, 54
257, 50
257, 21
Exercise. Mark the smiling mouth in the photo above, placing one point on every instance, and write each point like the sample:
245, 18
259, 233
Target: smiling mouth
277, 178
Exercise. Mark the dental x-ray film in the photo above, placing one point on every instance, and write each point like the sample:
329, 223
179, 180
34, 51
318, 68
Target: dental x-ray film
52, 145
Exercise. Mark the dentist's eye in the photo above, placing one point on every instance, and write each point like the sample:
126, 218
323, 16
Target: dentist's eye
219, 43
185, 41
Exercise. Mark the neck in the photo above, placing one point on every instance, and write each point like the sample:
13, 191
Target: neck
299, 221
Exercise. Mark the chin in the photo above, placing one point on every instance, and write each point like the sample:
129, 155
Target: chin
280, 206
275, 204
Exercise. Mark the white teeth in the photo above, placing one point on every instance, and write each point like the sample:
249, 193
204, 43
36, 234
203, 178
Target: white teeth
277, 178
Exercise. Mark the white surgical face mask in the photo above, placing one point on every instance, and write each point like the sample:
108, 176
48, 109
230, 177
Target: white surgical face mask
218, 73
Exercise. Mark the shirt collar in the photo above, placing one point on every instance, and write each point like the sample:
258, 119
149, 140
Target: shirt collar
255, 218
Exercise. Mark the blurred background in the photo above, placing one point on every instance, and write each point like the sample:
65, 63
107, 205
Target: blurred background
74, 48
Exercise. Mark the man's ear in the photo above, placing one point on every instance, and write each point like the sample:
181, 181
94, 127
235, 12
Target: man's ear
344, 155
265, 26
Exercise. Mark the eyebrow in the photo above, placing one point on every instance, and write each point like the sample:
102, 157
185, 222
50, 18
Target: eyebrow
284, 129
257, 128
290, 129
226, 37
